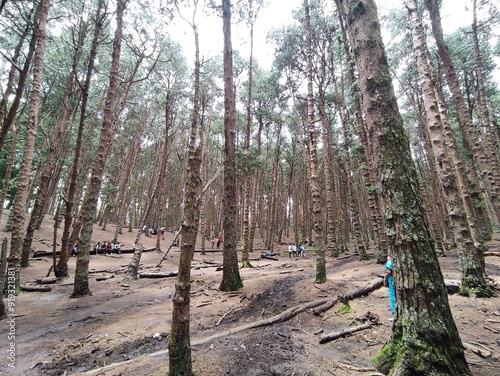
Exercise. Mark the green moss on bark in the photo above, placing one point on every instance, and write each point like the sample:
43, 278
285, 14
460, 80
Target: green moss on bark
320, 277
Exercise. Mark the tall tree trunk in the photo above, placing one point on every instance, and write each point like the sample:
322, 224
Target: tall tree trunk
179, 346
129, 167
370, 180
12, 74
9, 120
54, 151
61, 269
204, 135
313, 158
8, 170
231, 280
423, 314
161, 194
450, 170
331, 237
484, 161
245, 258
89, 205
19, 208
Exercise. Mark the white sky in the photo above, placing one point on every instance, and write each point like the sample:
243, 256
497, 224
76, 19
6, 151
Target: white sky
278, 13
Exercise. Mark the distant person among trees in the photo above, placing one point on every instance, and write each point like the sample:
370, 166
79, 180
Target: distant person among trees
290, 250
302, 250
219, 240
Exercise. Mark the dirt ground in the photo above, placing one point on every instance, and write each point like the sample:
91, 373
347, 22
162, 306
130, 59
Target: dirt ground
123, 328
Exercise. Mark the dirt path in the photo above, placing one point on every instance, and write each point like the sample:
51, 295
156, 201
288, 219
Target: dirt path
56, 335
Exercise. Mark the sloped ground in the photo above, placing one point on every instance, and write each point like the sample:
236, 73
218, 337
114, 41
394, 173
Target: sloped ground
128, 322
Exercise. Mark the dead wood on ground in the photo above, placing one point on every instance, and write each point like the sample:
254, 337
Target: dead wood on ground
157, 275
371, 318
497, 254
46, 280
478, 349
269, 258
353, 294
35, 288
104, 277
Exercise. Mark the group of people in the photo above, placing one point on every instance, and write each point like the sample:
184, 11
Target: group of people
217, 241
153, 230
107, 248
296, 251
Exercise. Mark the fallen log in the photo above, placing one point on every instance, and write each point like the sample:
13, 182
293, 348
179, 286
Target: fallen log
373, 320
452, 286
281, 317
104, 277
269, 258
157, 275
36, 288
353, 294
46, 280
291, 271
497, 254
44, 253
196, 267
478, 349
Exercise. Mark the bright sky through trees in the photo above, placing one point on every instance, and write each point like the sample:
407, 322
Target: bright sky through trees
455, 13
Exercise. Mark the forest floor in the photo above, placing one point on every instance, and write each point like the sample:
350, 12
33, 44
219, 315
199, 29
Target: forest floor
123, 328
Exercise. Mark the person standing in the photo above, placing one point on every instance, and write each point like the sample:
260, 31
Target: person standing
389, 282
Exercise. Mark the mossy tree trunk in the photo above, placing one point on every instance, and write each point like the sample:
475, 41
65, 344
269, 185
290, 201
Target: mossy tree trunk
425, 339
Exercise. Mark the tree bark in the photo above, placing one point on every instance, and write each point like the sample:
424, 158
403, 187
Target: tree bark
231, 280
450, 167
89, 205
9, 120
61, 269
424, 317
48, 173
19, 208
179, 346
313, 158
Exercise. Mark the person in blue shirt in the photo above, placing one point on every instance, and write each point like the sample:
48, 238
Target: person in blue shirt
389, 282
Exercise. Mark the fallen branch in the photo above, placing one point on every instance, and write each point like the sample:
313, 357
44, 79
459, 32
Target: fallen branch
492, 254
269, 258
357, 369
373, 320
482, 351
46, 280
223, 316
343, 333
36, 288
490, 329
344, 298
104, 277
157, 275
291, 271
